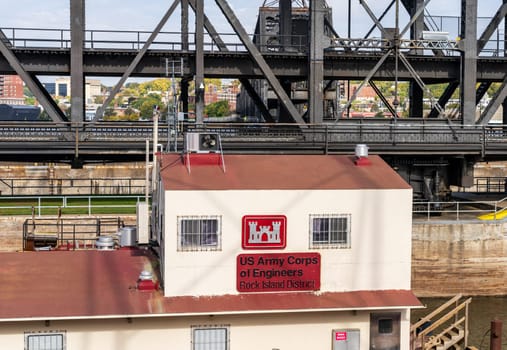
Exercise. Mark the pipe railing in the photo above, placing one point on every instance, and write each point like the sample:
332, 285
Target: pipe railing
460, 210
38, 206
131, 40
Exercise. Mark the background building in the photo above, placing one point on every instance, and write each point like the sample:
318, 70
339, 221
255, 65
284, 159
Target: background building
11, 90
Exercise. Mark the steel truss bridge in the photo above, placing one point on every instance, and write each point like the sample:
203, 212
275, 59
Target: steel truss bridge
432, 150
115, 141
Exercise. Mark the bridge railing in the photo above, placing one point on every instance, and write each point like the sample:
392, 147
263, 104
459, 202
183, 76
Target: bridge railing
132, 40
401, 132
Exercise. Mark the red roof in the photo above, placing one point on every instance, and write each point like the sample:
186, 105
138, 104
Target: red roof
81, 284
282, 172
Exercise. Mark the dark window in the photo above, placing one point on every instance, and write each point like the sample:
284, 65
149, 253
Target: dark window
199, 233
385, 326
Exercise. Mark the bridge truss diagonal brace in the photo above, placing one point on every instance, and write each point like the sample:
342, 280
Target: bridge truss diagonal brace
373, 17
257, 100
32, 83
245, 82
420, 82
383, 98
210, 29
414, 18
494, 104
136, 60
365, 80
259, 60
491, 27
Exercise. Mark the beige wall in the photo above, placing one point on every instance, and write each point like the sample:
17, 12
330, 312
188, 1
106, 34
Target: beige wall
247, 332
378, 259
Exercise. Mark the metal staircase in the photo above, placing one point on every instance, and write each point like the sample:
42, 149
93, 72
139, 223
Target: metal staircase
444, 328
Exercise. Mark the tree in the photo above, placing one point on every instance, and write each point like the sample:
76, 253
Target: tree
217, 109
145, 105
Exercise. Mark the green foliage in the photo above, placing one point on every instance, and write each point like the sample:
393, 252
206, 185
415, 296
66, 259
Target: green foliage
30, 101
217, 109
27, 92
145, 105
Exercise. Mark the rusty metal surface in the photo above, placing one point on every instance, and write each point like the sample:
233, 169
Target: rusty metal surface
245, 172
81, 284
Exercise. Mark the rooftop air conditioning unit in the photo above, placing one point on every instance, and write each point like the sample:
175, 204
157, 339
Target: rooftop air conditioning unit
202, 142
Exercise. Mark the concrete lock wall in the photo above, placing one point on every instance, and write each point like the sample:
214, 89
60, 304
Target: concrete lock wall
58, 179
459, 257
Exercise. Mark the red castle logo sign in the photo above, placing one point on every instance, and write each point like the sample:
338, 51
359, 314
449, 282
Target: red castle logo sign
264, 231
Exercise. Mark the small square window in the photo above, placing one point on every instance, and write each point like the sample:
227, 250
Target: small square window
385, 326
210, 338
330, 231
199, 233
45, 341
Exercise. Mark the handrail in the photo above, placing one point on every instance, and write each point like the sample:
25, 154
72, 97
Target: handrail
456, 210
420, 336
435, 312
38, 207
46, 38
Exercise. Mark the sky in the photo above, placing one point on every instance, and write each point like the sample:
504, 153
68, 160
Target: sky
129, 14
145, 15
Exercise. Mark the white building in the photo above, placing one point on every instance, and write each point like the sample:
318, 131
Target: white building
254, 252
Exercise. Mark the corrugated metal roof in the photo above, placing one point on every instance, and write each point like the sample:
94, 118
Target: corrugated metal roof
244, 172
82, 284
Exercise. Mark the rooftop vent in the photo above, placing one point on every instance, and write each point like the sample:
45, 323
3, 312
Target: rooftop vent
361, 152
145, 281
128, 236
104, 243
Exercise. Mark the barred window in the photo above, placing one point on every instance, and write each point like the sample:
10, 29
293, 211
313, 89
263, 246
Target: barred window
199, 233
45, 341
330, 231
210, 338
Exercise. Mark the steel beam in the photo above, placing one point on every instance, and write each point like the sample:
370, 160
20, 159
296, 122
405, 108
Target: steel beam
468, 60
368, 78
211, 30
137, 59
316, 62
184, 97
259, 60
367, 35
32, 83
495, 103
199, 62
373, 17
419, 81
382, 97
492, 26
77, 79
444, 98
285, 23
245, 82
184, 24
415, 18
257, 100
416, 28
